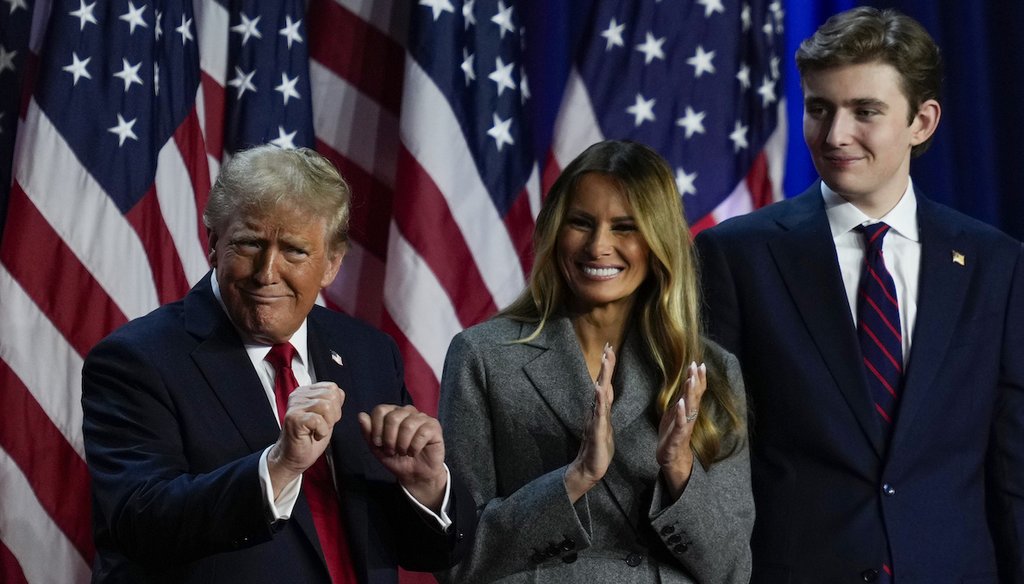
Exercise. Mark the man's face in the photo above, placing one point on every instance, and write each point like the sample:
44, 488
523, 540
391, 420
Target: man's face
856, 128
270, 269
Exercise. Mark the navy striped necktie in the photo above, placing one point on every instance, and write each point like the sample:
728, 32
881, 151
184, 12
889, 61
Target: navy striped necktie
878, 327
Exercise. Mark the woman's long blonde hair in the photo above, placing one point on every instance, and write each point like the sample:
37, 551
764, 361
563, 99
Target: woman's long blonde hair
667, 304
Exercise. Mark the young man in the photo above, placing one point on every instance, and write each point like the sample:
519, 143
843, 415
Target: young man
881, 337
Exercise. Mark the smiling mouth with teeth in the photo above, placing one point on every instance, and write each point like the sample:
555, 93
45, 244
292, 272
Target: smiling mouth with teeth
601, 272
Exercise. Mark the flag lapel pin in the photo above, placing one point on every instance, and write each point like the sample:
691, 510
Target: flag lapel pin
958, 258
337, 358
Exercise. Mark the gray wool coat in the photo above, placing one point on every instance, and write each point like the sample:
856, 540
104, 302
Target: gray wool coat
513, 416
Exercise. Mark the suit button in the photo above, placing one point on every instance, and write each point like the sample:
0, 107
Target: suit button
888, 490
667, 530
870, 575
675, 538
551, 551
460, 536
568, 544
681, 548
570, 558
633, 560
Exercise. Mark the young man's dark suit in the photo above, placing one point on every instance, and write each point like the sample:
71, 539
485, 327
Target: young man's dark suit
949, 490
175, 422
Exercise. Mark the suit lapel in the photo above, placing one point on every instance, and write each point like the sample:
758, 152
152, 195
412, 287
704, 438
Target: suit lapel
221, 357
328, 360
942, 288
804, 252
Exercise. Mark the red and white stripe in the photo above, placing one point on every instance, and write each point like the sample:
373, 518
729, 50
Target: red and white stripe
73, 268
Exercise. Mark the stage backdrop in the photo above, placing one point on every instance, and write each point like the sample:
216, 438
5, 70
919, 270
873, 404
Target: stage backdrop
449, 119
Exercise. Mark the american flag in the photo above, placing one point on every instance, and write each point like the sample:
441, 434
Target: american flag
438, 112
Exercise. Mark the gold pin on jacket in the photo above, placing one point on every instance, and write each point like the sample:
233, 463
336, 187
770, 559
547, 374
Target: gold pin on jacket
958, 258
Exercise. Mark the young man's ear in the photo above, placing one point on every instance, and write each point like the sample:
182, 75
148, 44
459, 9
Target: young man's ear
925, 122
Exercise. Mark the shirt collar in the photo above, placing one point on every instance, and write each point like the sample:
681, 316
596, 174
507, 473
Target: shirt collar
843, 216
298, 339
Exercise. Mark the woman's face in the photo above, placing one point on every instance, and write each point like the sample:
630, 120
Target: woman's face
601, 253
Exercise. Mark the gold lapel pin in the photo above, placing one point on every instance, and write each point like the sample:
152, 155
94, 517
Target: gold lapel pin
958, 258
336, 358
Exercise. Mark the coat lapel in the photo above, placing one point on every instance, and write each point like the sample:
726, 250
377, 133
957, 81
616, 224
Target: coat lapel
634, 382
221, 357
636, 435
560, 376
942, 289
805, 254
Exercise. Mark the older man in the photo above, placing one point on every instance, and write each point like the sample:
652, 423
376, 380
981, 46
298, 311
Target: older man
213, 426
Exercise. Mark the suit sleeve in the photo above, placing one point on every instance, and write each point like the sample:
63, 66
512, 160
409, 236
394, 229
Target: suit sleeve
420, 544
722, 317
516, 532
1007, 452
147, 502
708, 527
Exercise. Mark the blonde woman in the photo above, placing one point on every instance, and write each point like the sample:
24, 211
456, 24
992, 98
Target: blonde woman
602, 437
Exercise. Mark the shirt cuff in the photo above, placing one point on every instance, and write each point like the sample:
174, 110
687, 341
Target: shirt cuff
281, 509
443, 520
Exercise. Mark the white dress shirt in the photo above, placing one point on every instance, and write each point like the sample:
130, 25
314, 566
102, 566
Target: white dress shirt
901, 250
281, 507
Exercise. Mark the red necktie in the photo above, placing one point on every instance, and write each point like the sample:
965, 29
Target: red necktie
881, 339
316, 481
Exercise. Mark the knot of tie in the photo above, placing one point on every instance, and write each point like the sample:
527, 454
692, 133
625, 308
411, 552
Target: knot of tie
281, 355
873, 236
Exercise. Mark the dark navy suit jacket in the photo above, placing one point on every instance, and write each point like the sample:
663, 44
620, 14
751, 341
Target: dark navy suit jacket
175, 422
948, 492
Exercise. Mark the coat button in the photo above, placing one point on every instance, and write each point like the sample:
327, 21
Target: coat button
569, 558
633, 560
568, 544
869, 575
459, 536
537, 557
667, 530
675, 538
681, 548
888, 490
